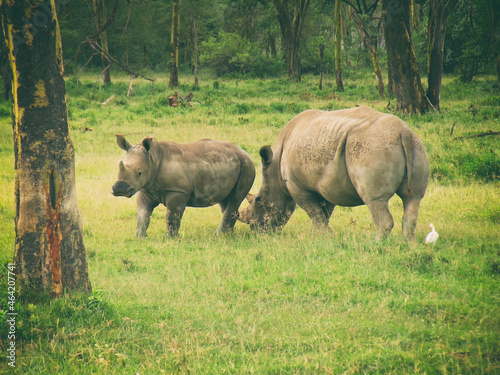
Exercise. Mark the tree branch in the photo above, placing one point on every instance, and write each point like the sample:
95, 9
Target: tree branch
108, 21
96, 35
489, 132
91, 41
96, 47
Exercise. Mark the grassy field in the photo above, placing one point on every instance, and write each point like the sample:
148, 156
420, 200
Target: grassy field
292, 303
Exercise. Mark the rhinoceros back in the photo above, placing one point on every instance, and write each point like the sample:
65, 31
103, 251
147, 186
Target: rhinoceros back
333, 153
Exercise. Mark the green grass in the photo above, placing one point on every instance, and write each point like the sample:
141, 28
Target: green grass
298, 302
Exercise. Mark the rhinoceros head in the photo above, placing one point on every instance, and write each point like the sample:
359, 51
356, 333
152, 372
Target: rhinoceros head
270, 208
137, 168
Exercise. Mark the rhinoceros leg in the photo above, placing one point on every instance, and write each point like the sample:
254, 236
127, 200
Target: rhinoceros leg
145, 207
327, 208
176, 204
382, 217
410, 216
316, 207
231, 204
229, 216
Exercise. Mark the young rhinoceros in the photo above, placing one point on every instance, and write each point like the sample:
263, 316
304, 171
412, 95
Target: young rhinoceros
347, 158
197, 174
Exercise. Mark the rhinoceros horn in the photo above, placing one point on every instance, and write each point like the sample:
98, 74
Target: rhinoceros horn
122, 167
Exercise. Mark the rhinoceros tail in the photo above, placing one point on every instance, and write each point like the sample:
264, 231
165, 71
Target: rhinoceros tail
408, 147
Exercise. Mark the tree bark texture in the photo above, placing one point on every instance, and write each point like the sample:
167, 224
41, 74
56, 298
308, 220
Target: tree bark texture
291, 30
401, 57
439, 11
174, 44
100, 19
372, 47
50, 255
338, 45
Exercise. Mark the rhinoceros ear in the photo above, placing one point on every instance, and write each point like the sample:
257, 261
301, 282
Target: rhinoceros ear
266, 154
148, 143
122, 142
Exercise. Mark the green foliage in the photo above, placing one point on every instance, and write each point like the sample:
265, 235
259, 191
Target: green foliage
481, 165
472, 59
310, 55
139, 37
229, 53
468, 44
467, 159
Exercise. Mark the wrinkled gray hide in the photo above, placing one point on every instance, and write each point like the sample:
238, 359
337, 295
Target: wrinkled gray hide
347, 158
197, 174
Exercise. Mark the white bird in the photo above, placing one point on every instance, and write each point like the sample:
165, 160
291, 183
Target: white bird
432, 236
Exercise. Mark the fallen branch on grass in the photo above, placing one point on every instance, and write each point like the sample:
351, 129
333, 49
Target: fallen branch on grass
453, 128
107, 101
489, 132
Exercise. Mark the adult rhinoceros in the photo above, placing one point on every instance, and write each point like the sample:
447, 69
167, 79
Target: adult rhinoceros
197, 174
348, 158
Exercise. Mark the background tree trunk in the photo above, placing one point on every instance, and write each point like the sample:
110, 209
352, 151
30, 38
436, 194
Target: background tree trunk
493, 38
174, 44
291, 30
196, 48
49, 255
372, 47
338, 45
401, 57
391, 88
321, 54
5, 68
438, 18
100, 19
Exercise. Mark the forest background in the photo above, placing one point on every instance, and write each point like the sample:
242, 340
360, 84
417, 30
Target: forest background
244, 37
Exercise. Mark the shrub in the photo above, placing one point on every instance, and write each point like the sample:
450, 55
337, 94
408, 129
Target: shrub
467, 47
231, 54
482, 165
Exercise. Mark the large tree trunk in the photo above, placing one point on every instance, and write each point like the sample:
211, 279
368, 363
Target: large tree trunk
100, 19
338, 45
49, 253
291, 30
401, 57
493, 38
438, 17
174, 44
372, 47
196, 48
